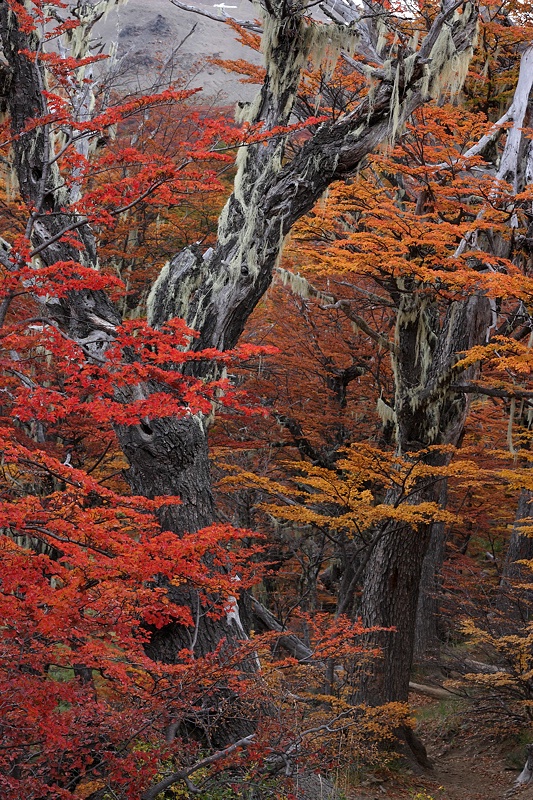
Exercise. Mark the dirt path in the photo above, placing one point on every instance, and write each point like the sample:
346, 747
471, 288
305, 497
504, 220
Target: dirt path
469, 763
470, 772
463, 772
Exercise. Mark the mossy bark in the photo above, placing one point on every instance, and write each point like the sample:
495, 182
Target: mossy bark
427, 413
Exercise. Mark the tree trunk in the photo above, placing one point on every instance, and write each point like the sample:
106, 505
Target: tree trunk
390, 598
427, 413
515, 601
427, 639
169, 457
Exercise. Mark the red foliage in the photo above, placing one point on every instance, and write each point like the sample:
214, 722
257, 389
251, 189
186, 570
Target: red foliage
82, 706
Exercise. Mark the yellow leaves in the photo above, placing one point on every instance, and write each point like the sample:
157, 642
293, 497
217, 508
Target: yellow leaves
248, 480
517, 479
494, 680
368, 487
383, 721
407, 213
513, 672
418, 514
87, 788
505, 355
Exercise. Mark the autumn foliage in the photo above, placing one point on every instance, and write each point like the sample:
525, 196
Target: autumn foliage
312, 470
86, 566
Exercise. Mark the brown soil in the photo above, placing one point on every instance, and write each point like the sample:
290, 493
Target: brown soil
469, 771
471, 762
462, 773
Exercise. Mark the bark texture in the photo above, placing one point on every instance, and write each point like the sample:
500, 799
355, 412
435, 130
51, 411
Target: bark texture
427, 639
516, 600
428, 413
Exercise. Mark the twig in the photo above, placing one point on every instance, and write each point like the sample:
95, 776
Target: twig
244, 23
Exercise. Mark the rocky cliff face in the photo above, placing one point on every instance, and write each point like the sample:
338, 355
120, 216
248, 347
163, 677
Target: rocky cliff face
150, 33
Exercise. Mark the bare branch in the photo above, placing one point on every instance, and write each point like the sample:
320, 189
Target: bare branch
330, 301
491, 391
244, 23
183, 775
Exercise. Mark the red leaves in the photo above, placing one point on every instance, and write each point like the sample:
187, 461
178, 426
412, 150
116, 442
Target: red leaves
63, 277
76, 593
82, 705
109, 389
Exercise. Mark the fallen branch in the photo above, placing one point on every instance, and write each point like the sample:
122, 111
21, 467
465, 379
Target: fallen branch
438, 692
288, 641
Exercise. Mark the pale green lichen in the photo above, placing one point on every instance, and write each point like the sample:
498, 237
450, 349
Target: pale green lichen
301, 287
382, 32
385, 412
448, 68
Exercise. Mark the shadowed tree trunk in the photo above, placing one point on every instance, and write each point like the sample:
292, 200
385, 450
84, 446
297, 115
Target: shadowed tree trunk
427, 413
427, 641
515, 600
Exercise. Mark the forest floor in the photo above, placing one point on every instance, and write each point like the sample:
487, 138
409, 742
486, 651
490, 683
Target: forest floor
473, 758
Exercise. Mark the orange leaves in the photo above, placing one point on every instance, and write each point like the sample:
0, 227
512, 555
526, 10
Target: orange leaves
61, 65
425, 212
506, 356
63, 277
245, 37
351, 497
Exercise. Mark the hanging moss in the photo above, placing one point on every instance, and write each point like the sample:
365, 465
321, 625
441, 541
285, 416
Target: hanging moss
386, 412
447, 70
301, 286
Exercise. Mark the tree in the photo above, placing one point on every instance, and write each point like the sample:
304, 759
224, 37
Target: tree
79, 594
216, 291
85, 709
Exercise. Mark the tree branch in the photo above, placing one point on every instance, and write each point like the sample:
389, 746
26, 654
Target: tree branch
288, 641
183, 775
330, 301
490, 391
244, 23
